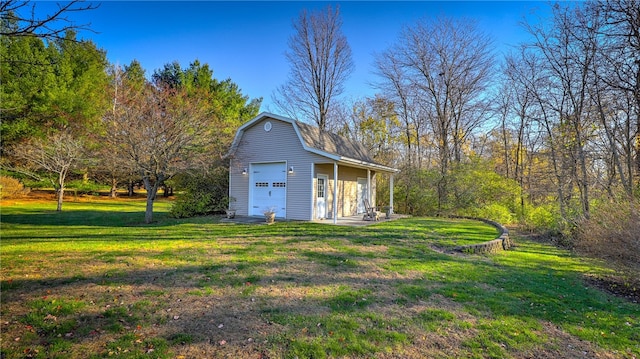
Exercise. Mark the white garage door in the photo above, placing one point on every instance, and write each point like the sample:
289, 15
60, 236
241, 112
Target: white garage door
269, 188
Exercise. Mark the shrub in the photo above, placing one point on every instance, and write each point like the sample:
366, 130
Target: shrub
476, 187
415, 192
542, 218
11, 187
191, 204
36, 184
612, 232
202, 194
84, 187
495, 212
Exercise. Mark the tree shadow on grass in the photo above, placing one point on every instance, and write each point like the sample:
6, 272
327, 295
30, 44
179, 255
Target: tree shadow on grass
84, 218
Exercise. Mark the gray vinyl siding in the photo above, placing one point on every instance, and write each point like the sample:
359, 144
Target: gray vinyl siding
238, 188
281, 144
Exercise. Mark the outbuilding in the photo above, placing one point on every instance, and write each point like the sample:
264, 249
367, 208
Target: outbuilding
300, 172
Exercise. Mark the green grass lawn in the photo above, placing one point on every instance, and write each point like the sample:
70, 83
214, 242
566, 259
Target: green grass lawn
94, 281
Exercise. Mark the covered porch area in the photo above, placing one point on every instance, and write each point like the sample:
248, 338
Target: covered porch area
342, 190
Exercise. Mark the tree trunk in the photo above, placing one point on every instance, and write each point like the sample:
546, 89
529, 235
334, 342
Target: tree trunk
505, 144
113, 193
61, 176
444, 169
636, 95
60, 198
152, 191
637, 144
151, 196
130, 191
148, 213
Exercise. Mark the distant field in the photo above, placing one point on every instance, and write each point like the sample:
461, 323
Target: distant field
94, 281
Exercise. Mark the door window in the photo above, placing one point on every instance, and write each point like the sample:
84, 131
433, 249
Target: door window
321, 191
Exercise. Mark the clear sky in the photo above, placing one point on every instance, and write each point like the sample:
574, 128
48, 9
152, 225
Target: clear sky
246, 41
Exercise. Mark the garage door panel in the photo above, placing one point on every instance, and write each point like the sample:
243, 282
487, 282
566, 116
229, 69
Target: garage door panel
269, 188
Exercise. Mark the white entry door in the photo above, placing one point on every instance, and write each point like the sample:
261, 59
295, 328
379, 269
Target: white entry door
361, 194
321, 196
268, 188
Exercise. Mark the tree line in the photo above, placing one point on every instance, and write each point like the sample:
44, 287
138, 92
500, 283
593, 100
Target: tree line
66, 110
544, 135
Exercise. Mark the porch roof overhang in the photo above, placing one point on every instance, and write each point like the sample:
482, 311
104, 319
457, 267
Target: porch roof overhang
345, 161
335, 157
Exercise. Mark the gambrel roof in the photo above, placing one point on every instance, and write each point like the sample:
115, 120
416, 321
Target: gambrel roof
326, 144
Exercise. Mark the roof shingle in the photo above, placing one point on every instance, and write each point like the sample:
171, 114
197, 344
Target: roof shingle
333, 143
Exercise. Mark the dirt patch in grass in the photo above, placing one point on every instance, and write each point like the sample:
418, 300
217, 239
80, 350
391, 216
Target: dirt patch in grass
623, 281
619, 285
563, 345
451, 337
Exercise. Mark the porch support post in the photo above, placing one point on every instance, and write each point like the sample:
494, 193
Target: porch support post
369, 188
391, 194
314, 193
335, 193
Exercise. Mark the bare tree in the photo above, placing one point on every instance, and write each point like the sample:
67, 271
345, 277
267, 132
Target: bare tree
570, 45
157, 130
445, 65
374, 123
528, 75
517, 119
110, 167
621, 55
320, 62
57, 155
611, 93
19, 18
396, 86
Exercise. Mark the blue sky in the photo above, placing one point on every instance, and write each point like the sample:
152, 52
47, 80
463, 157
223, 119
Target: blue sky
246, 41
